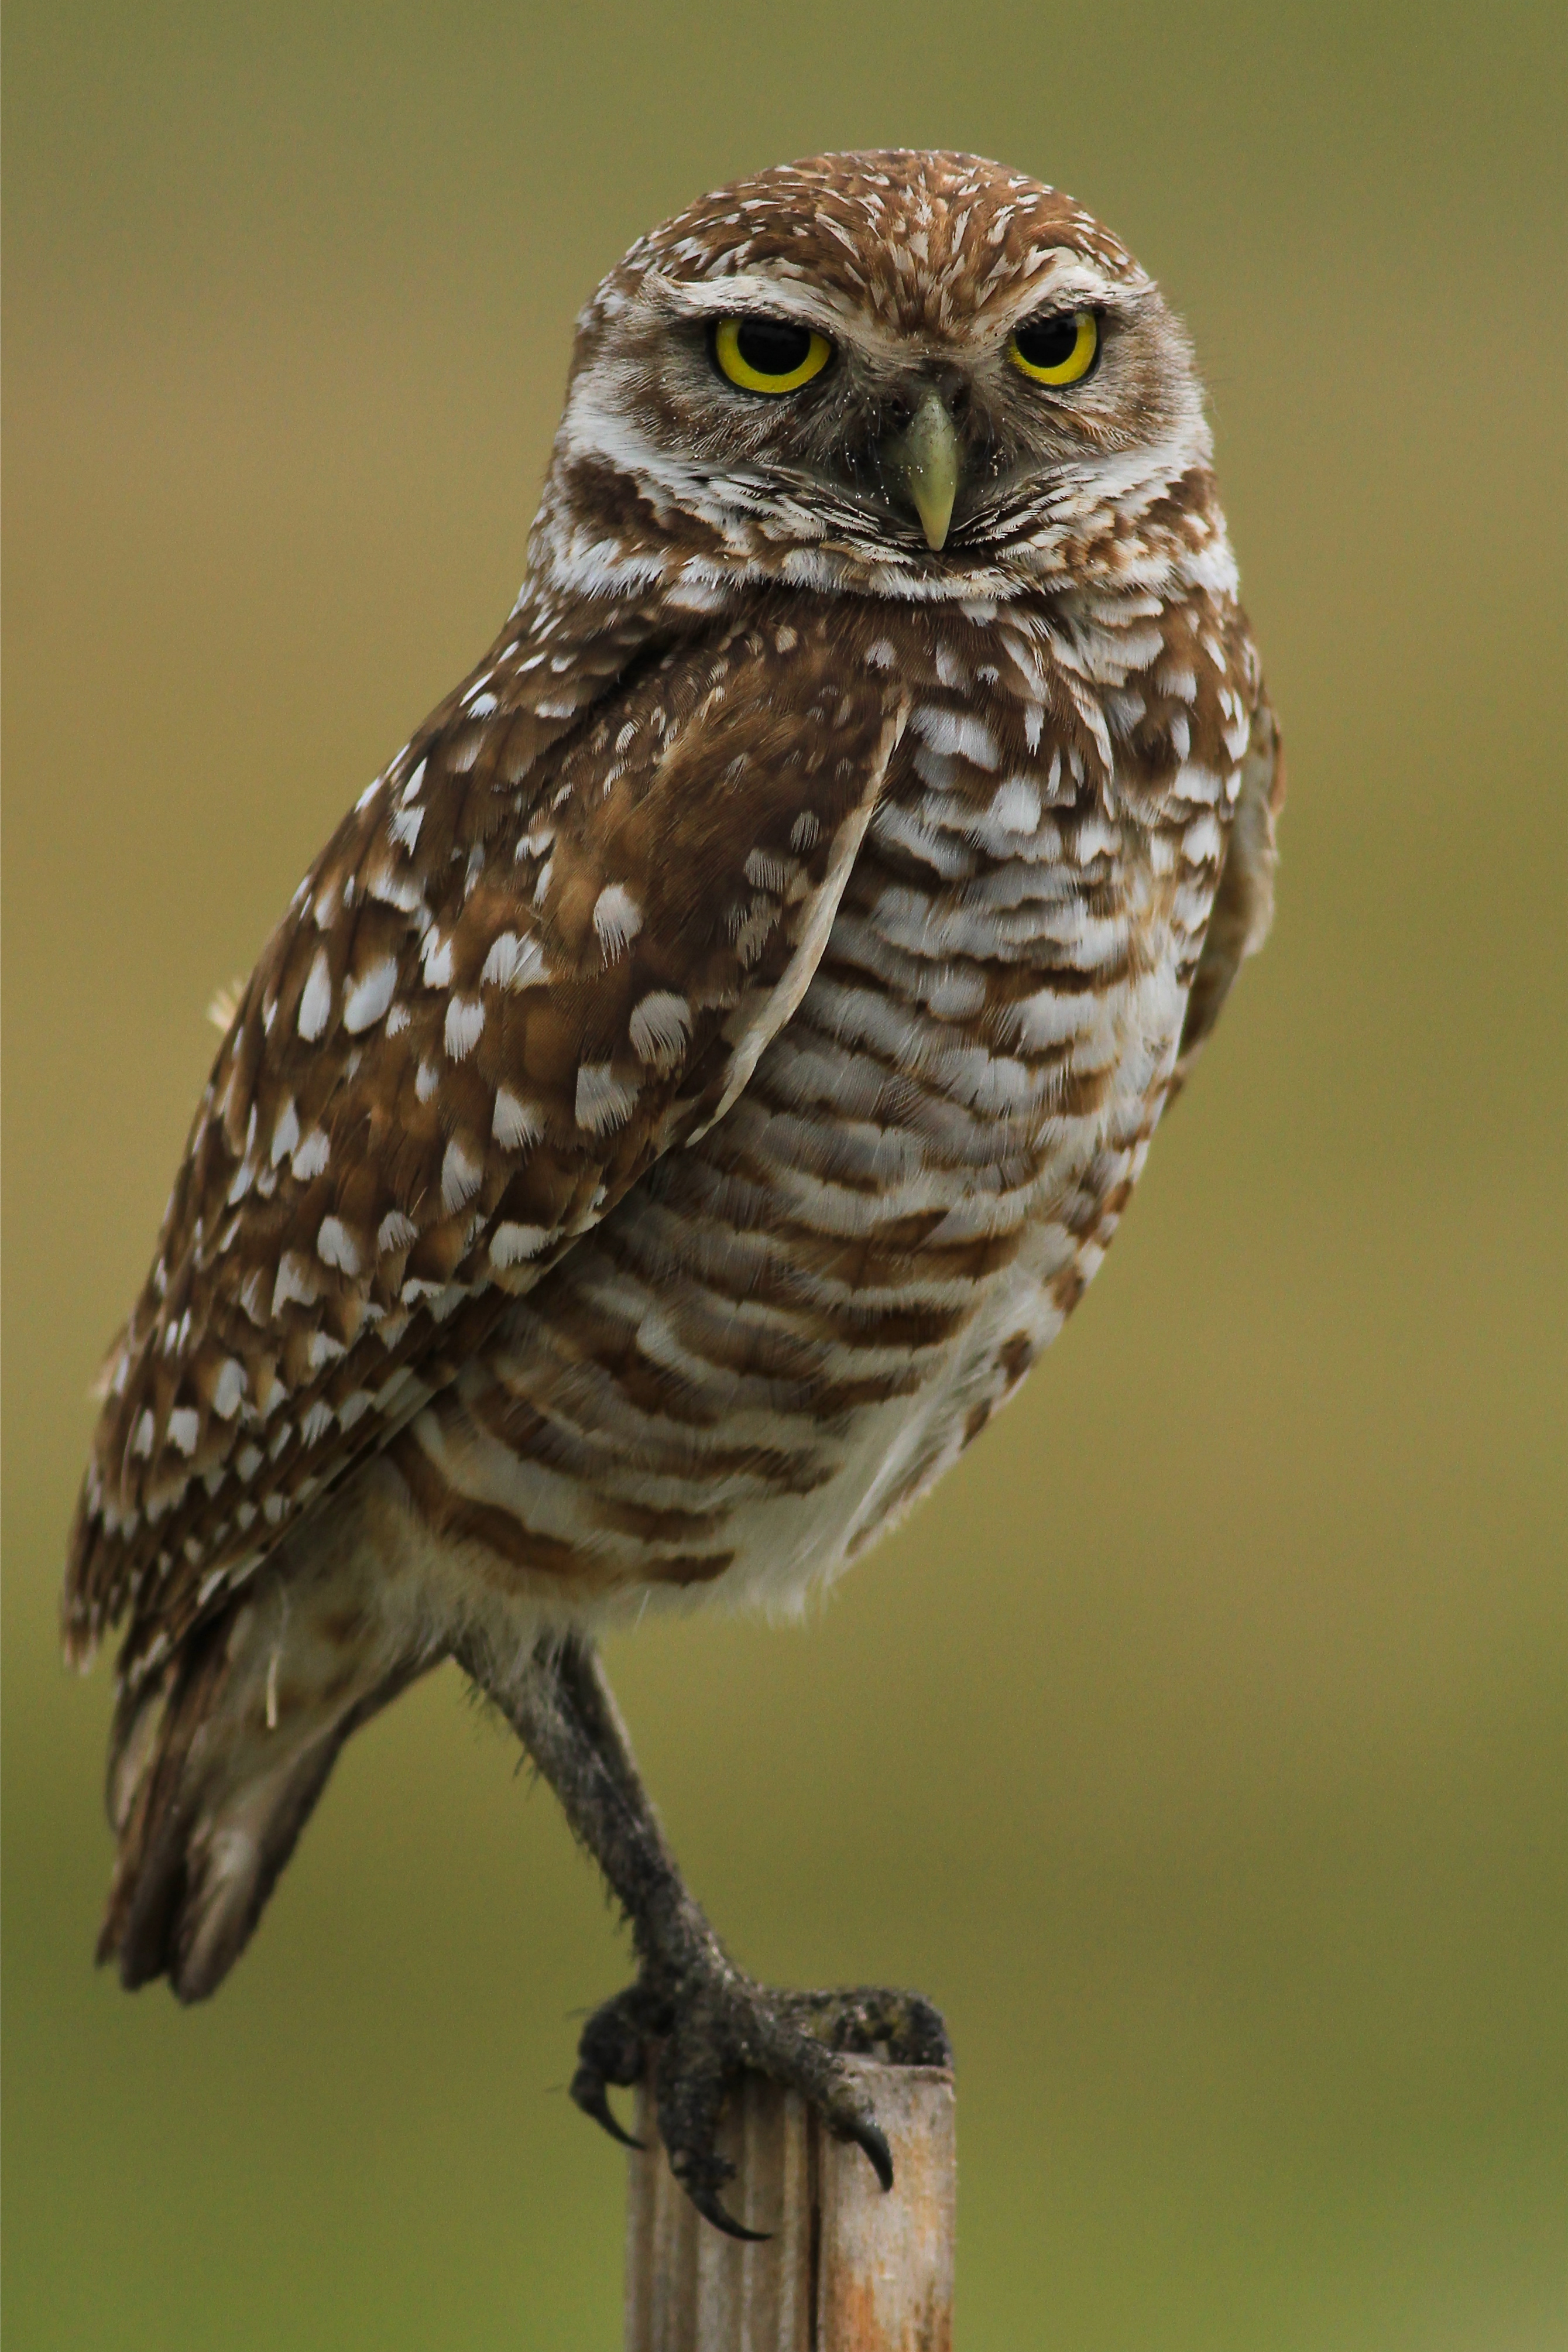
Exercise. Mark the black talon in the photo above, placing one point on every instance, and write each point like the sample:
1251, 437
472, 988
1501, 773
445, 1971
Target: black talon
705, 2200
588, 2092
867, 2137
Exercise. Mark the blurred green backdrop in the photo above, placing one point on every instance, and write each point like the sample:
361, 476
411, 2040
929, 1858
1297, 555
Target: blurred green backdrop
1214, 1784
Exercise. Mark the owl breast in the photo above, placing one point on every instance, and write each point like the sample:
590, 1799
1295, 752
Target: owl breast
786, 1331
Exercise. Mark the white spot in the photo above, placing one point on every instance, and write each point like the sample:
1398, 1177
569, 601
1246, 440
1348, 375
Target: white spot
439, 1299
482, 706
403, 825
312, 1156
805, 833
273, 1509
285, 1134
1096, 839
1016, 807
513, 963
461, 1177
955, 734
229, 1392
465, 1025
603, 1101
766, 872
660, 1029
516, 1124
396, 1232
511, 1244
437, 959
353, 1408
336, 1245
245, 1516
617, 919
141, 1439
1052, 1018
248, 1461
184, 1428
410, 790
397, 1021
295, 1282
317, 1001
315, 1421
367, 998
400, 891
426, 1078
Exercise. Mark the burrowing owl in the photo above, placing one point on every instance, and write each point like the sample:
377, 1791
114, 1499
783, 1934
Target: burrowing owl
702, 1071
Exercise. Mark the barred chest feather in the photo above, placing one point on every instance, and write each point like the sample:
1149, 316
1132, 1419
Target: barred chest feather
786, 1331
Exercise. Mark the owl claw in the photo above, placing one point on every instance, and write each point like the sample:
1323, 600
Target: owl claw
874, 2144
718, 2025
588, 2092
703, 2194
614, 2048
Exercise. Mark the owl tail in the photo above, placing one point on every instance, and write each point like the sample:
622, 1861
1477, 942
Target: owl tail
215, 1764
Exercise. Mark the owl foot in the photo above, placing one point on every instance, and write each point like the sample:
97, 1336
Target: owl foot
710, 2025
699, 2020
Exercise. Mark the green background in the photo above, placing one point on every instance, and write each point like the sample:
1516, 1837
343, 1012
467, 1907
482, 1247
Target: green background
1200, 1747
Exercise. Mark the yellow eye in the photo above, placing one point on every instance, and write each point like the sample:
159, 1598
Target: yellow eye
769, 354
1060, 349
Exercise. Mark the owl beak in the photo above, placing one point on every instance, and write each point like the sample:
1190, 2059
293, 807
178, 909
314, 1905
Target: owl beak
924, 461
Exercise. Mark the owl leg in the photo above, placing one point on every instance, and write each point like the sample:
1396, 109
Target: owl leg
704, 2019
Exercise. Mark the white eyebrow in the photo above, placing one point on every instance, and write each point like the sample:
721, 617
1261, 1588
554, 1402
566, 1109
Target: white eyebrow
1060, 277
756, 291
1064, 277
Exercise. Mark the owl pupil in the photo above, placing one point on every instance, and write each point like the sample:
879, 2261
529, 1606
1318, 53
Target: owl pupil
771, 348
1048, 343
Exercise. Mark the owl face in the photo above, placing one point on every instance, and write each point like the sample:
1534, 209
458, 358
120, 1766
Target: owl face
918, 375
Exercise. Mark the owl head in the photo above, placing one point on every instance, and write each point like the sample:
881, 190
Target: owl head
917, 374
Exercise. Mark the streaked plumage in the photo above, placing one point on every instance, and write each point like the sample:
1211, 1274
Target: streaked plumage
704, 1069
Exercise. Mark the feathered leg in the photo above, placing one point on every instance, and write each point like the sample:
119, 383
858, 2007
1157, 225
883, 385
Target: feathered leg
708, 2021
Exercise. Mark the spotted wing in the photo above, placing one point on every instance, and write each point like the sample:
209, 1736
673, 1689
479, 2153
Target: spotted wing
547, 946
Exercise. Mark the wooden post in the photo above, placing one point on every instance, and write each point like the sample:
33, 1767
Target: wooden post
846, 2268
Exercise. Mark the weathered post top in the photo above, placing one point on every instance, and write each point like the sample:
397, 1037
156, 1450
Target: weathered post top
845, 2267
